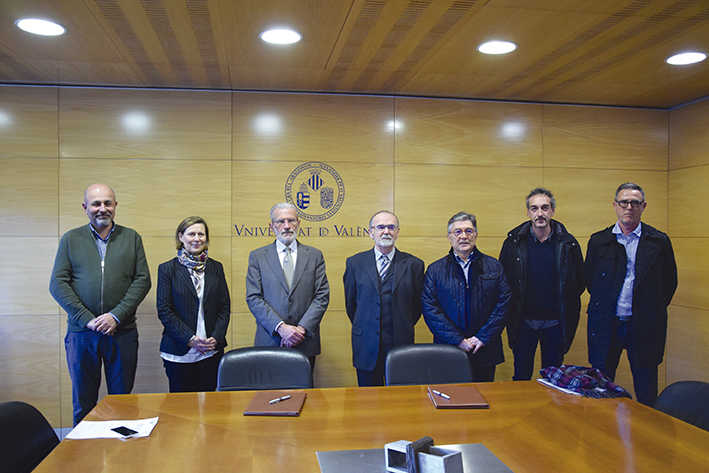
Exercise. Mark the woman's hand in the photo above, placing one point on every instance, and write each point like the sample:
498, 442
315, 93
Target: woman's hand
202, 345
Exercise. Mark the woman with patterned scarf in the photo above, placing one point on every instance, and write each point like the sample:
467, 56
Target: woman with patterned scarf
193, 306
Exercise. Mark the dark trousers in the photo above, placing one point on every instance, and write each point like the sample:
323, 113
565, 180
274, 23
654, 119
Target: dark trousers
374, 377
193, 377
86, 352
481, 373
644, 374
311, 359
550, 340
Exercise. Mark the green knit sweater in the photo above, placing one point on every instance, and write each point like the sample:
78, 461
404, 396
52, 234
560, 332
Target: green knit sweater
86, 290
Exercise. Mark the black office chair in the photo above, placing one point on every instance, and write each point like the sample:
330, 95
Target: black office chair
27, 438
427, 363
253, 368
687, 401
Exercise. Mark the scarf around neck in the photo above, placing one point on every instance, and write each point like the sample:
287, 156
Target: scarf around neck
193, 262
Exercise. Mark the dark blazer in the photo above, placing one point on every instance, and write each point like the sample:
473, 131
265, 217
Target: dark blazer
655, 284
362, 301
444, 304
569, 267
178, 305
270, 300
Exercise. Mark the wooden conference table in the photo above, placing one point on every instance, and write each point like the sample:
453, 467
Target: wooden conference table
529, 427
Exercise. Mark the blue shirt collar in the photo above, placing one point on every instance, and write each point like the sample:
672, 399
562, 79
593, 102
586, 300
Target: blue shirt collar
98, 237
637, 232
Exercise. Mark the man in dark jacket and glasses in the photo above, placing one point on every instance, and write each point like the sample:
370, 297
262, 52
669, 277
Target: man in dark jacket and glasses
631, 275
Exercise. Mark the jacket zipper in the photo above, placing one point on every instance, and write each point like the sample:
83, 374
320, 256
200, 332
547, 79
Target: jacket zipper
102, 266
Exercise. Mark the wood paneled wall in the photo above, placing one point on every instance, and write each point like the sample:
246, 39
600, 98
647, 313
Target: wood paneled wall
688, 336
226, 156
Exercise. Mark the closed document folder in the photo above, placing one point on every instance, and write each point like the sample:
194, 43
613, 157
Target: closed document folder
265, 403
449, 396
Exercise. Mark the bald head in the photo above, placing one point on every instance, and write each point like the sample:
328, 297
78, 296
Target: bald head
100, 206
101, 189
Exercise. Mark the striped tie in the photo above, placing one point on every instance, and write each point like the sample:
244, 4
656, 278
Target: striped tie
383, 265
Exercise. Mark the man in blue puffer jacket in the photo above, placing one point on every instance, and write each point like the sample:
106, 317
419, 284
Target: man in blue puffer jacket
466, 297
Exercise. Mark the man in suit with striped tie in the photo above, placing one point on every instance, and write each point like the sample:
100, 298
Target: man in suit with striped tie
382, 297
286, 287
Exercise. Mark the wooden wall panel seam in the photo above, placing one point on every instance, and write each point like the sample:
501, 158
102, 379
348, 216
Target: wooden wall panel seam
686, 306
512, 166
689, 166
32, 158
143, 158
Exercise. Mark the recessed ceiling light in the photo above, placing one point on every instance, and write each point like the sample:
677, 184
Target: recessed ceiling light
688, 57
280, 36
40, 27
497, 47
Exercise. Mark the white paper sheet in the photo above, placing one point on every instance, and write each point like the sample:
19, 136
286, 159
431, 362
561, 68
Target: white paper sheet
90, 429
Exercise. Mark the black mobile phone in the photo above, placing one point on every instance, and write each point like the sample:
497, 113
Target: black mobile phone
124, 431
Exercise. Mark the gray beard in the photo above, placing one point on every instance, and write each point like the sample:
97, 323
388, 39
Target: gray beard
386, 243
283, 239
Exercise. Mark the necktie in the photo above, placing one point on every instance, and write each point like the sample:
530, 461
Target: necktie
383, 265
288, 266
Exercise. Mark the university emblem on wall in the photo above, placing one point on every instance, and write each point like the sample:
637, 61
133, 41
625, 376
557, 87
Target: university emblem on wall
316, 190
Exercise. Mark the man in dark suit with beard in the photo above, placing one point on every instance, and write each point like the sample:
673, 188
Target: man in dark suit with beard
382, 297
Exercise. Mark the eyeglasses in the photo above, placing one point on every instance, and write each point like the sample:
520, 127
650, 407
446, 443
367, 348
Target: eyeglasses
282, 221
381, 228
459, 231
629, 203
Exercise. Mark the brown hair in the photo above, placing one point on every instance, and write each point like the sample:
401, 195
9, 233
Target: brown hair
542, 191
185, 224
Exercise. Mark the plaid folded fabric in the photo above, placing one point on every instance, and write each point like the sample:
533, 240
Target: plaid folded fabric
589, 382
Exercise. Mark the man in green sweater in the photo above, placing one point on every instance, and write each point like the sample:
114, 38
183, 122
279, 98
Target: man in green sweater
100, 276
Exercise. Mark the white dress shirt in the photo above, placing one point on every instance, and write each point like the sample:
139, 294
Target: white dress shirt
281, 250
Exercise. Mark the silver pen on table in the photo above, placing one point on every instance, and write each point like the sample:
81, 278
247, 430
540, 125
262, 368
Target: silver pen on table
443, 395
279, 399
